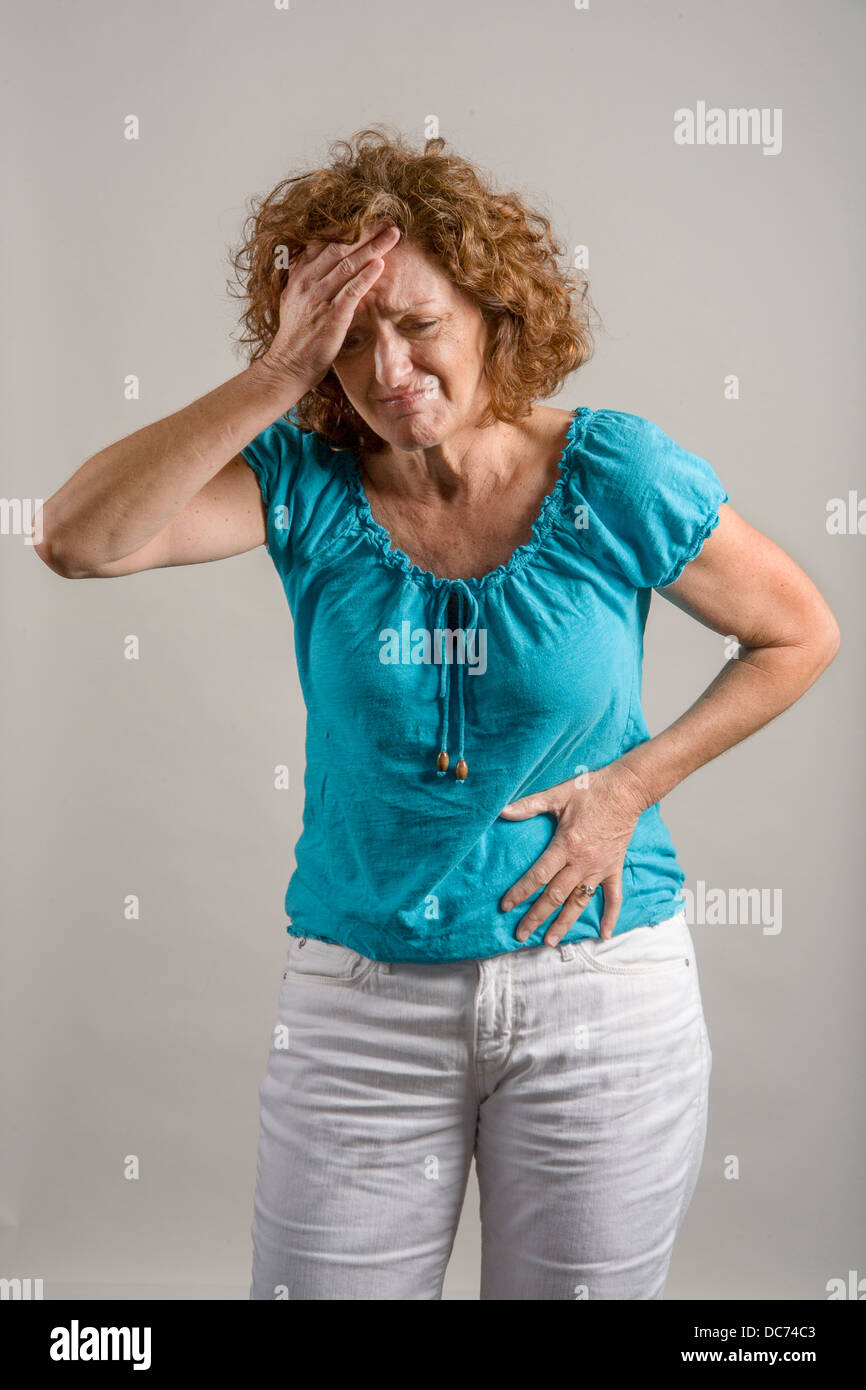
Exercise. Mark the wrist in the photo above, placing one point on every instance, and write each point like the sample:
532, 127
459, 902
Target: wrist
627, 778
281, 382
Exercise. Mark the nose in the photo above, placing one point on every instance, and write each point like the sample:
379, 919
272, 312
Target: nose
392, 360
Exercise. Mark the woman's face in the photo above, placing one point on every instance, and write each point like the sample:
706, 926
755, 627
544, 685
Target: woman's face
414, 332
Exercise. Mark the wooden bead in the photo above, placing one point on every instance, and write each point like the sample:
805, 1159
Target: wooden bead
461, 771
442, 761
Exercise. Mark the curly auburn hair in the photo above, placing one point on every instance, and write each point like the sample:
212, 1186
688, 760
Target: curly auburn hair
492, 245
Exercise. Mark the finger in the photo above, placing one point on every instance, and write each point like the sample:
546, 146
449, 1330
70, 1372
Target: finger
348, 264
373, 230
525, 806
576, 904
358, 286
612, 890
335, 249
542, 871
307, 256
554, 896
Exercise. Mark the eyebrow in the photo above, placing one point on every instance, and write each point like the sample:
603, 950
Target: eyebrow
392, 309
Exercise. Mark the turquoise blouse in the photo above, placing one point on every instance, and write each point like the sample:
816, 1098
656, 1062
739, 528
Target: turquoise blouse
527, 676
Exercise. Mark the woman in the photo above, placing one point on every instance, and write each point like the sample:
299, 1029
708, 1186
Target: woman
488, 950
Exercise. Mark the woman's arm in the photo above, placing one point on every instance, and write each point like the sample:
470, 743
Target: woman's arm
153, 498
741, 584
138, 500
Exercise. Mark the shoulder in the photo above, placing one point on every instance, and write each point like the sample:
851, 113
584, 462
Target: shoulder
283, 451
596, 436
618, 441
647, 501
542, 432
615, 451
302, 483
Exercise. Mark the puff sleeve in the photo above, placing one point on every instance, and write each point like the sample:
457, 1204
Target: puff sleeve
646, 504
302, 479
275, 457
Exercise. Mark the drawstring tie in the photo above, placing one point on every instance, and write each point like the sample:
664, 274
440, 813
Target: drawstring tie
458, 589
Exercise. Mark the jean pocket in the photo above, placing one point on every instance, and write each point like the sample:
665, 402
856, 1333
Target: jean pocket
650, 950
325, 962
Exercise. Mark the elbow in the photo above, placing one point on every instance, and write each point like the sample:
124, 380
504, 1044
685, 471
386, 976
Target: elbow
834, 638
826, 639
60, 560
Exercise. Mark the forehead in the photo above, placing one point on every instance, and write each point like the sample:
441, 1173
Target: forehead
409, 279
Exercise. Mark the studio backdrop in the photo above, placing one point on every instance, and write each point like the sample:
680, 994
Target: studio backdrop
701, 163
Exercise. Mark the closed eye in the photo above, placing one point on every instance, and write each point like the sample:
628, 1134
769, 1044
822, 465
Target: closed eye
351, 340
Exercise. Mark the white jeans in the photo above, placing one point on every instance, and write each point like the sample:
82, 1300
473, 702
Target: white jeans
577, 1075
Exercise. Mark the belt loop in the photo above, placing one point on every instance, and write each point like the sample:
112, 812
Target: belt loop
566, 950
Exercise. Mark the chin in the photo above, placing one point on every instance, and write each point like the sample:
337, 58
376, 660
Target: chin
419, 423
416, 434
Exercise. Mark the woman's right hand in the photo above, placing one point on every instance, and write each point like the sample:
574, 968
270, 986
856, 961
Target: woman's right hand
319, 300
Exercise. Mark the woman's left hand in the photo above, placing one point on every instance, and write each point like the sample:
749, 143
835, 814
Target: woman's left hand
596, 816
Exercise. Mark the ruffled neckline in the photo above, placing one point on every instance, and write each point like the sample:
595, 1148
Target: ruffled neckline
520, 557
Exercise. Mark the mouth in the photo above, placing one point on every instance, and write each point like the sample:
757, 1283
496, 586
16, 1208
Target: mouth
406, 398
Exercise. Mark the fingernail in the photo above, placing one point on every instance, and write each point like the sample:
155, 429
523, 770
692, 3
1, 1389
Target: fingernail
553, 940
507, 904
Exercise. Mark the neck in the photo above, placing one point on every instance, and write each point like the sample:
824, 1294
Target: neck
470, 463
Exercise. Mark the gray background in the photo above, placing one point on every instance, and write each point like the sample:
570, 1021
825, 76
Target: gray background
155, 776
